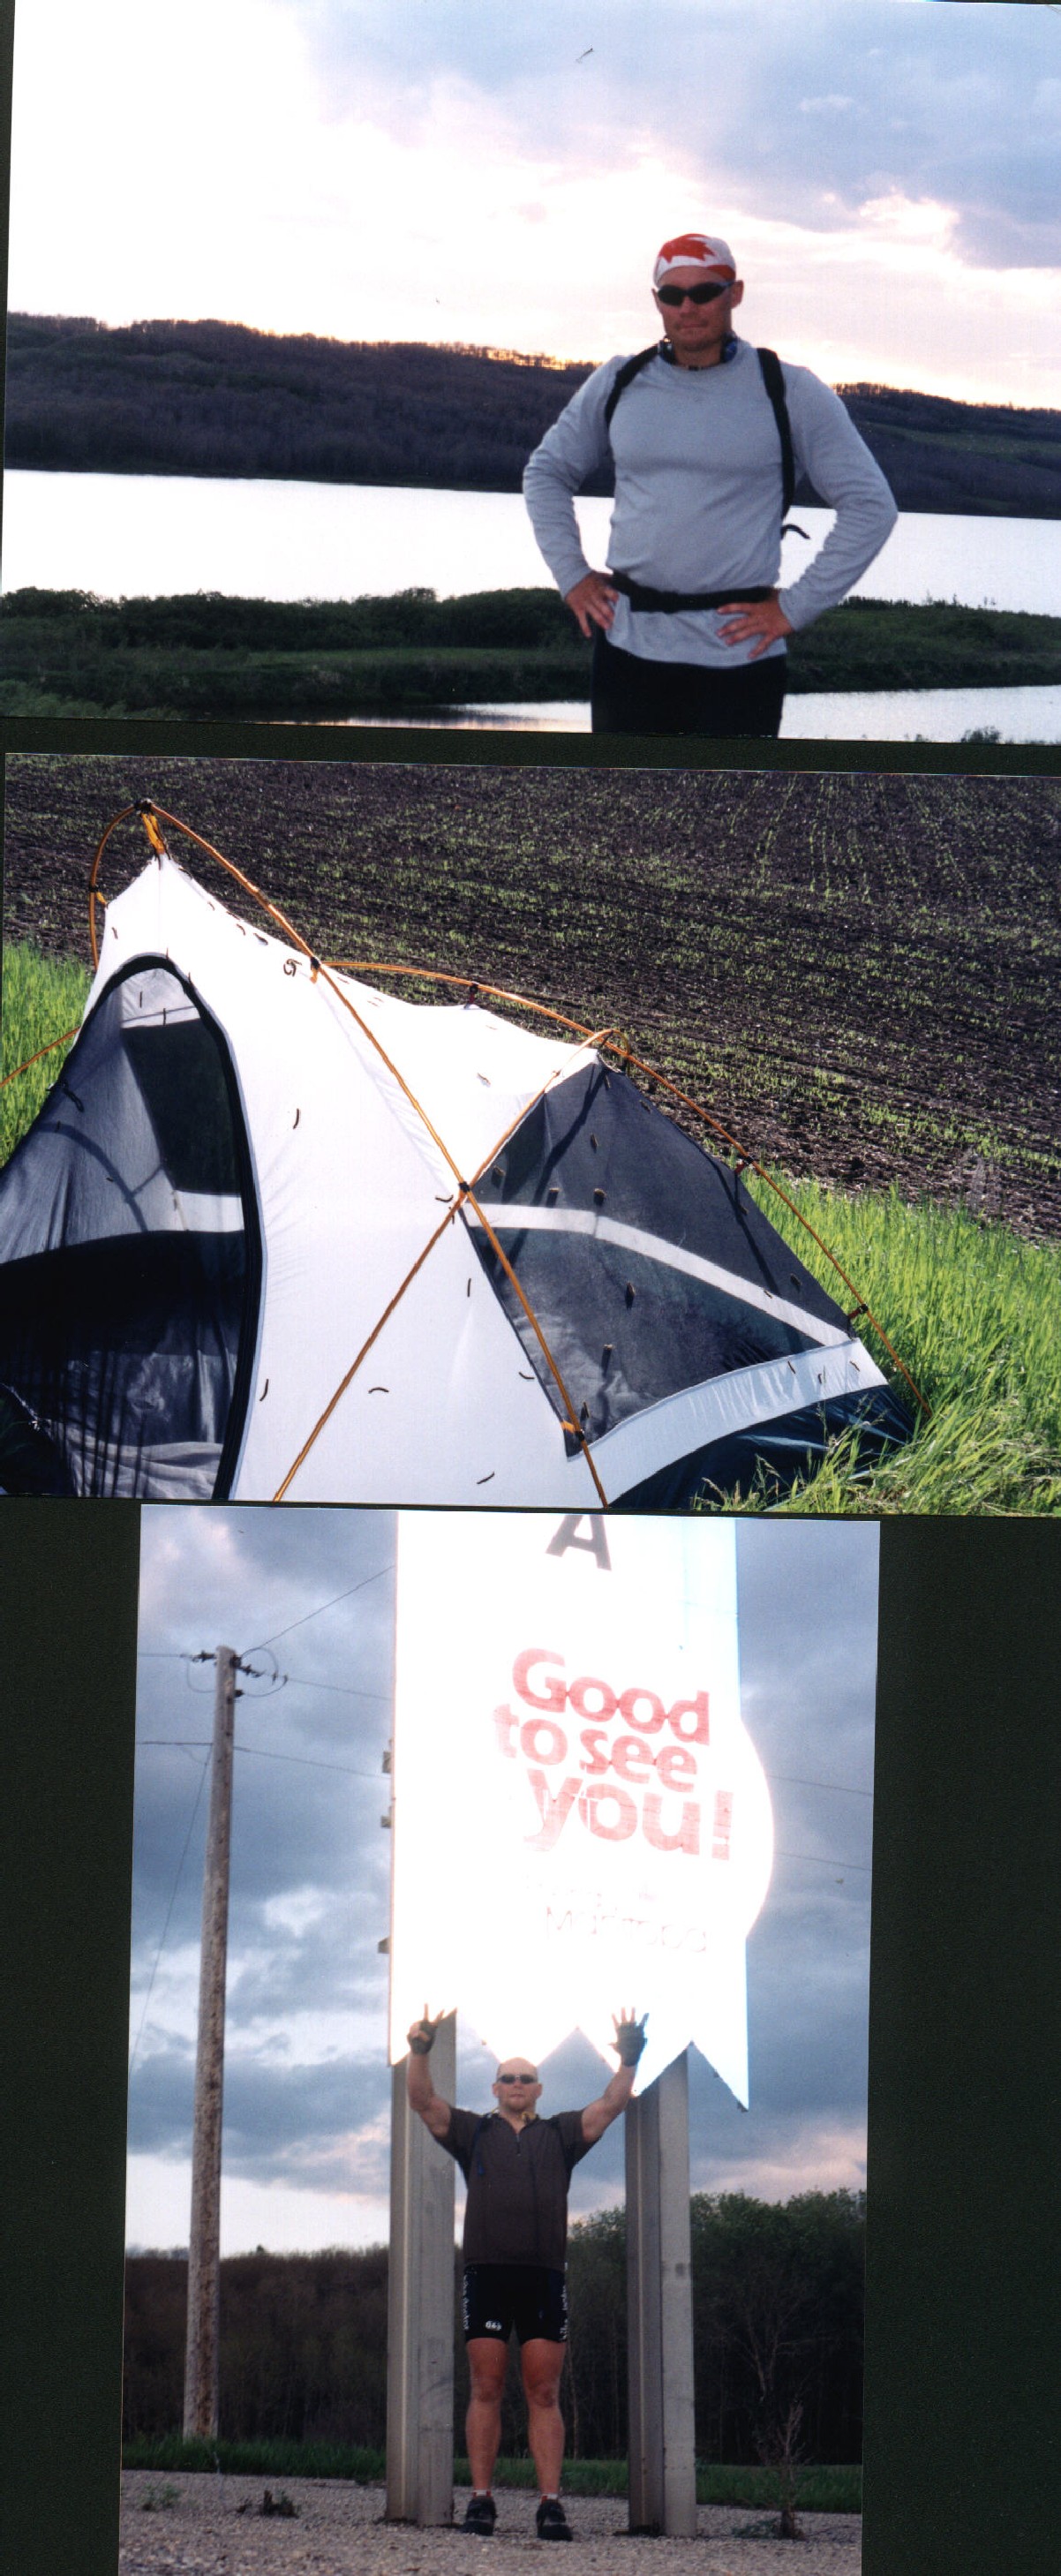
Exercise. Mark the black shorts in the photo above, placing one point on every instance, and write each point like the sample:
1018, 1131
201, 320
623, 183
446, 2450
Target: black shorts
501, 2297
632, 695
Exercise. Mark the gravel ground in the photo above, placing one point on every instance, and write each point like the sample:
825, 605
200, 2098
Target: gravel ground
212, 2526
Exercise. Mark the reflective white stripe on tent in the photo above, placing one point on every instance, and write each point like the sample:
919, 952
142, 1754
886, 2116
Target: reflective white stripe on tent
673, 1256
638, 1449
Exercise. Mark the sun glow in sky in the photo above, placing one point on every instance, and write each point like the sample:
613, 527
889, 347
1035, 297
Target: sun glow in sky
423, 170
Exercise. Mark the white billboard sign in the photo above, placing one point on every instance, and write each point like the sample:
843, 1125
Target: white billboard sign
581, 1821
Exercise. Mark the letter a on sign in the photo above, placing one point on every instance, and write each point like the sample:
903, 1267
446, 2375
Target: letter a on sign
581, 1821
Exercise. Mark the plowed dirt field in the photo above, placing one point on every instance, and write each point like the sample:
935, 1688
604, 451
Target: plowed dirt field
858, 975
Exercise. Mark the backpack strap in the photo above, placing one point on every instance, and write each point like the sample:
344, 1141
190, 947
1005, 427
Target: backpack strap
774, 383
631, 367
770, 370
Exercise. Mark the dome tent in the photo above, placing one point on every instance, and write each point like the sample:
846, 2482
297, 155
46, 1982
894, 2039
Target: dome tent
278, 1233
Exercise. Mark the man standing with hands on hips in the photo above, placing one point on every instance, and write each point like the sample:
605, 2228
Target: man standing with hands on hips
708, 436
517, 2168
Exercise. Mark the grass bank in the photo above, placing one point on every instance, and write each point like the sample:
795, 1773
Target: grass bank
975, 1313
820, 2490
42, 998
65, 653
973, 1310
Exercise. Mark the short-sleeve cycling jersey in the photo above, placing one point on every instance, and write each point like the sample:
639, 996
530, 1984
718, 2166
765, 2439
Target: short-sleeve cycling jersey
517, 2184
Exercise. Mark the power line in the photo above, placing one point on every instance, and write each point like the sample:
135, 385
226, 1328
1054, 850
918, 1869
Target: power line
822, 1860
192, 1743
300, 1681
307, 1762
321, 1607
196, 1743
792, 1780
183, 1654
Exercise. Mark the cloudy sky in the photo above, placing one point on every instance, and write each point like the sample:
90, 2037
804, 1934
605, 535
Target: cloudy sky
452, 170
307, 2084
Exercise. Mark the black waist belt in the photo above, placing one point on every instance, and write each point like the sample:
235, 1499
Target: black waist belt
674, 600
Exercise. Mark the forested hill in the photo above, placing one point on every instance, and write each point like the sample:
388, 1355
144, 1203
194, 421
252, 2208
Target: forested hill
216, 398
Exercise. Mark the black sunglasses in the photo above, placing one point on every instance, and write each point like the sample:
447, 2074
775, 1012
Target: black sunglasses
517, 2079
689, 294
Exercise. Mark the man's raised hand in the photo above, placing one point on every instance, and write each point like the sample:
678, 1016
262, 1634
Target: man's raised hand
421, 2037
630, 2039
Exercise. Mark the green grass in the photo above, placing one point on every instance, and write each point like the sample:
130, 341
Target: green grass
40, 997
975, 1314
821, 2490
818, 2490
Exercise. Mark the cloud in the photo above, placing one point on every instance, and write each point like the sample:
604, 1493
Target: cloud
287, 2217
279, 2121
960, 98
419, 169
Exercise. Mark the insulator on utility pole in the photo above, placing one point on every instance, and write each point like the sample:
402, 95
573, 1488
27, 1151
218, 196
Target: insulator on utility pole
204, 2245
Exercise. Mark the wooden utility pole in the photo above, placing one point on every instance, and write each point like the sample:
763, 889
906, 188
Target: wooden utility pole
204, 2244
660, 2307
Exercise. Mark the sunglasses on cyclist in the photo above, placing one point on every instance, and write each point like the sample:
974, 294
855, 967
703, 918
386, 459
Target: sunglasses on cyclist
517, 2079
704, 294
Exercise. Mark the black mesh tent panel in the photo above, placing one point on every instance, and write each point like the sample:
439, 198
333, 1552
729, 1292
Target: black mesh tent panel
594, 1143
626, 1330
130, 1259
626, 1324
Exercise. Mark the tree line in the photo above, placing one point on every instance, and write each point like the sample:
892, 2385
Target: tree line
777, 2322
217, 398
409, 654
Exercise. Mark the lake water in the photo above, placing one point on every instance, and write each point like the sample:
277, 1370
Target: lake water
887, 715
137, 535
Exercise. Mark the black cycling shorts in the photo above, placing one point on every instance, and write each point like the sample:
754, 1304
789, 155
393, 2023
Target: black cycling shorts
500, 2298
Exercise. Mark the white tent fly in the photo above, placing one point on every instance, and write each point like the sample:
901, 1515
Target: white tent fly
278, 1232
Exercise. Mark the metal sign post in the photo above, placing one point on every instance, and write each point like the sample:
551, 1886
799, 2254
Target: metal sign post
660, 2307
420, 2305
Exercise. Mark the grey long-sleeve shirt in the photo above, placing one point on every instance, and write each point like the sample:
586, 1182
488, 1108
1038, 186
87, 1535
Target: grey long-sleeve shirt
698, 495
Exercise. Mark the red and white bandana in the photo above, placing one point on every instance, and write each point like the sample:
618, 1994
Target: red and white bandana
695, 250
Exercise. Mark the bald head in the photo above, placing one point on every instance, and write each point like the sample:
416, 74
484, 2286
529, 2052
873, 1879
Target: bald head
516, 2088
